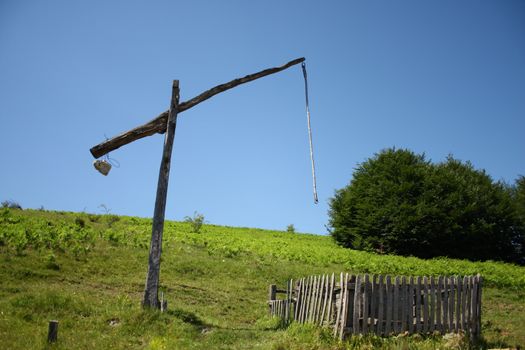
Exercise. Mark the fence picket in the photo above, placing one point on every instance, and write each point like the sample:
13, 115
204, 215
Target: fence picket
388, 325
469, 303
418, 304
457, 325
339, 305
357, 301
395, 310
478, 280
424, 305
322, 300
325, 299
451, 299
366, 299
373, 303
332, 286
315, 296
344, 313
464, 304
445, 305
439, 302
381, 305
319, 299
306, 299
410, 305
403, 304
432, 305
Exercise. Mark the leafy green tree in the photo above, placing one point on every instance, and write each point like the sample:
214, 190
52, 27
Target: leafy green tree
398, 202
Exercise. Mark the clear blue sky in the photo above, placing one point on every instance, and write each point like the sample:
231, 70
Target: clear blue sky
440, 77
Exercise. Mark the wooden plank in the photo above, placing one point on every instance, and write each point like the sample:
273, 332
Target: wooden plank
339, 305
439, 299
418, 304
297, 300
389, 296
290, 296
322, 298
311, 313
381, 305
373, 303
425, 305
457, 325
410, 305
432, 316
464, 304
344, 312
151, 297
474, 306
325, 299
158, 125
357, 302
469, 304
395, 309
316, 299
330, 296
308, 298
305, 299
464, 319
451, 299
446, 328
403, 304
479, 281
366, 302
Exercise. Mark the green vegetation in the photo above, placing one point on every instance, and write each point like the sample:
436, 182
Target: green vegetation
196, 222
88, 272
400, 203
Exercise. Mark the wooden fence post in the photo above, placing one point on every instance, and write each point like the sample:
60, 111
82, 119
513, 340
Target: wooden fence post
272, 291
52, 333
151, 297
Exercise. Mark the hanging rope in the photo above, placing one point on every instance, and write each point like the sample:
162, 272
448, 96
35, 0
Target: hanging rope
303, 65
103, 165
110, 160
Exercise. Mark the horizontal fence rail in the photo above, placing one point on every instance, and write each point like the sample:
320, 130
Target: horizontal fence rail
382, 305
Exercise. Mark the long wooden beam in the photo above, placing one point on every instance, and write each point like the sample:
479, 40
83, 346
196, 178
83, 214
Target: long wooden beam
158, 125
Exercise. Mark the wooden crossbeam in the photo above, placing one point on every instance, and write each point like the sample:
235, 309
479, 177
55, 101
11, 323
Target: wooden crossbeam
158, 125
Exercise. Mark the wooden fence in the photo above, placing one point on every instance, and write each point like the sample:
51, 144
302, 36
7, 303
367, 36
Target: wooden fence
383, 305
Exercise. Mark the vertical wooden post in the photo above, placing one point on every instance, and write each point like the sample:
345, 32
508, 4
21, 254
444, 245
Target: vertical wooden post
151, 297
272, 292
52, 333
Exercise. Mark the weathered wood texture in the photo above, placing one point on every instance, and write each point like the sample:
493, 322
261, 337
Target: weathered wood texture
384, 305
158, 125
151, 297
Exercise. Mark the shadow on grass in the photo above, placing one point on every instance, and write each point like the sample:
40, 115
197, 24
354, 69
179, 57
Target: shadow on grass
188, 317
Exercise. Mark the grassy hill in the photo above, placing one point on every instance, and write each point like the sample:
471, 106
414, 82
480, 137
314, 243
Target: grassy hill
88, 272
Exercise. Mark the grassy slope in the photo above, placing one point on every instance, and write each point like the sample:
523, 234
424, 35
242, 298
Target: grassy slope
216, 284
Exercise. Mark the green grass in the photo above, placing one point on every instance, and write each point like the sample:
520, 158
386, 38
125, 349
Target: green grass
88, 272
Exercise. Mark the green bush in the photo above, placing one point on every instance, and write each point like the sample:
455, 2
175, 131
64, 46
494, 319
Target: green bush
398, 202
196, 222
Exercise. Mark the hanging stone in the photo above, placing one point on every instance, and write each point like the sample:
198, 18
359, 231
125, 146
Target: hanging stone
102, 166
